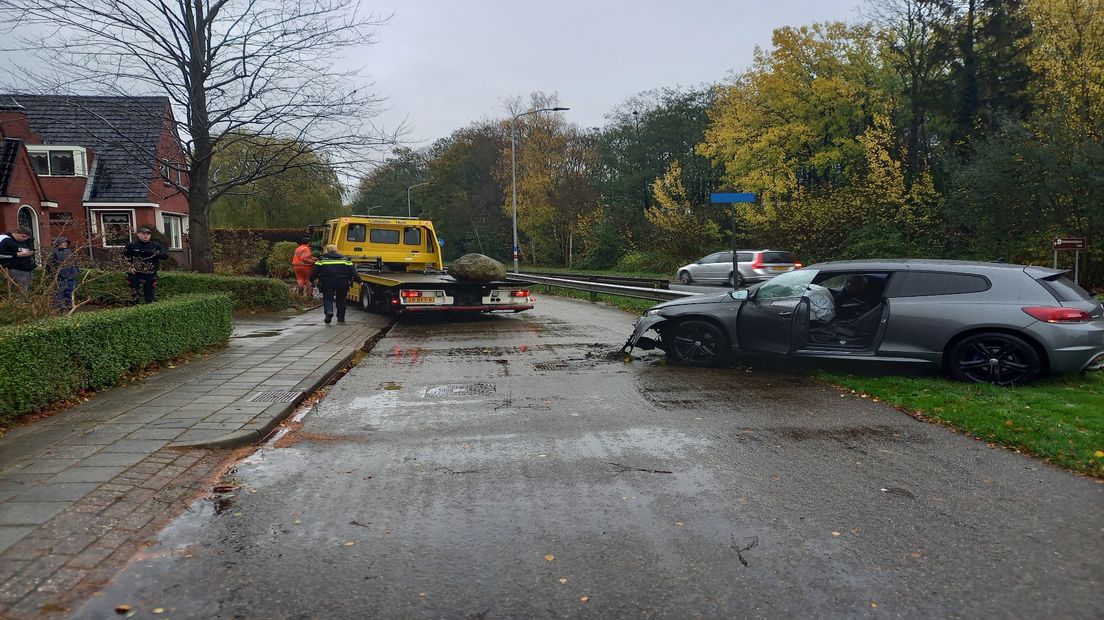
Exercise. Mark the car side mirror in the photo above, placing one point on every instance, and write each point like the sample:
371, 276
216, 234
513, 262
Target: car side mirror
740, 295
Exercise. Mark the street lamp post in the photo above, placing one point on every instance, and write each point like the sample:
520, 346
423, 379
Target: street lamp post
513, 169
408, 195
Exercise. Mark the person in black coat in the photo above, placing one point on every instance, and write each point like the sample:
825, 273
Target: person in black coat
17, 256
334, 274
144, 256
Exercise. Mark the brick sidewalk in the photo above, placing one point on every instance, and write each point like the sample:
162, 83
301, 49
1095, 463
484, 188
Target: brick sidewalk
81, 490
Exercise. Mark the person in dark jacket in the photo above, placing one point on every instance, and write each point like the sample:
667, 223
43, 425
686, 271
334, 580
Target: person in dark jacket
61, 263
17, 257
334, 274
144, 256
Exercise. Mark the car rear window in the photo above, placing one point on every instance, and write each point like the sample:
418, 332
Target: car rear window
779, 257
921, 284
1064, 289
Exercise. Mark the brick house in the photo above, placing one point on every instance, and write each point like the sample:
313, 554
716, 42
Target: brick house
93, 169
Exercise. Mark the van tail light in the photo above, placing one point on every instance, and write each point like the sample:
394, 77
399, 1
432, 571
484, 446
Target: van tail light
1050, 314
409, 294
519, 293
758, 262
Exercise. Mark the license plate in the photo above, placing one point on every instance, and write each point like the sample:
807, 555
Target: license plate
779, 268
419, 300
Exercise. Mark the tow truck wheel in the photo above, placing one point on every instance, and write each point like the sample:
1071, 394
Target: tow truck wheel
366, 300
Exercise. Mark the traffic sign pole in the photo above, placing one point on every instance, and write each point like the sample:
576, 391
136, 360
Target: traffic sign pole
730, 197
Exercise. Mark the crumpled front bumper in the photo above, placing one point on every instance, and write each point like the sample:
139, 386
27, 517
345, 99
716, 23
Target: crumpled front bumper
637, 339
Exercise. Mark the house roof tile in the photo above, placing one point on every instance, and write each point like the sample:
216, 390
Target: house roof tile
124, 132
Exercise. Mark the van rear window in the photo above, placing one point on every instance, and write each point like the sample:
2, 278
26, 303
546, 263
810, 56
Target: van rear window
1064, 289
779, 257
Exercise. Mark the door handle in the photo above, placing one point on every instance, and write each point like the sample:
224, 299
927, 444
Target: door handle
786, 313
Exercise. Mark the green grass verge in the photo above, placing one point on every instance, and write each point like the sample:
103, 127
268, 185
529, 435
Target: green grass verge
1060, 420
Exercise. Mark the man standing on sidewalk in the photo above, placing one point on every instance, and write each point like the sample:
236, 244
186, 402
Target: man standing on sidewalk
335, 274
144, 256
303, 261
17, 257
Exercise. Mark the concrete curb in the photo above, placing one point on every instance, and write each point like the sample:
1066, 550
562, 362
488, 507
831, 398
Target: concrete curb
244, 437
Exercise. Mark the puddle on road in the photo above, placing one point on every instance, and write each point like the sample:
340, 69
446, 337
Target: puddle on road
267, 333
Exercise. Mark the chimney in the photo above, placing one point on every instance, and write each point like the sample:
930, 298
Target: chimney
13, 121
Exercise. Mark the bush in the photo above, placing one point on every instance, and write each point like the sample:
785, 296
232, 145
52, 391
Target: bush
241, 254
249, 293
54, 359
279, 259
646, 262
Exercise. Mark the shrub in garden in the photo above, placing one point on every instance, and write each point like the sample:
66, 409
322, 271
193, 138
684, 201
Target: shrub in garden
240, 256
279, 259
54, 359
249, 293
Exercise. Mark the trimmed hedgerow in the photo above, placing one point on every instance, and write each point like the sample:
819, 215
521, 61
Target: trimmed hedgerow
248, 293
52, 360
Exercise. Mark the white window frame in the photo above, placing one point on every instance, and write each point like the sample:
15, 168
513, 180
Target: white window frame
80, 157
130, 226
174, 234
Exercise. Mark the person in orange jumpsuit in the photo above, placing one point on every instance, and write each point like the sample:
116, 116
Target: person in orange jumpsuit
302, 261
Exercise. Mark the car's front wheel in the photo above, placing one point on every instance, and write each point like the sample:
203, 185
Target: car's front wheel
997, 358
697, 343
684, 277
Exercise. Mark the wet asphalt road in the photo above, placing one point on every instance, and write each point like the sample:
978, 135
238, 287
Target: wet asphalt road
497, 467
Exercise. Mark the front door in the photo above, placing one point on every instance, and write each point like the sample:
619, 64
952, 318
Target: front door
775, 319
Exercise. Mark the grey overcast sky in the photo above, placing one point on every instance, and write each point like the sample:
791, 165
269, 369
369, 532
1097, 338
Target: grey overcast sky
443, 64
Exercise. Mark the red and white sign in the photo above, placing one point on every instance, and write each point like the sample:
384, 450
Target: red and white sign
1069, 243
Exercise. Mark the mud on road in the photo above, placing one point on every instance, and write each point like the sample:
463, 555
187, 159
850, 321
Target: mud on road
509, 466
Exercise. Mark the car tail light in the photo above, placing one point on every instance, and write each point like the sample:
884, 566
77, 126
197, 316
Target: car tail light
758, 262
519, 293
798, 265
408, 294
1052, 314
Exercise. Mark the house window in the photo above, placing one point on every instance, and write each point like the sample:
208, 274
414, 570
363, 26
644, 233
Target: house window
116, 229
57, 162
174, 226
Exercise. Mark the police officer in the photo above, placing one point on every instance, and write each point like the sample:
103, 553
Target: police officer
335, 274
144, 256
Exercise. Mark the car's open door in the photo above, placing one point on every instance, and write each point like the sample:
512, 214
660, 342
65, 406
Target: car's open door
776, 326
776, 317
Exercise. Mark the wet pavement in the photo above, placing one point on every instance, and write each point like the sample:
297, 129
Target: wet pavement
510, 467
82, 488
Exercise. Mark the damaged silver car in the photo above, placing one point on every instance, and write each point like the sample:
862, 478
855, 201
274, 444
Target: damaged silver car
981, 322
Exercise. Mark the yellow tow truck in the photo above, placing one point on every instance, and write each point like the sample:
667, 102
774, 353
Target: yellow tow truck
398, 260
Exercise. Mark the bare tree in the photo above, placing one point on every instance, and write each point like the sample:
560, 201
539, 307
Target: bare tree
236, 71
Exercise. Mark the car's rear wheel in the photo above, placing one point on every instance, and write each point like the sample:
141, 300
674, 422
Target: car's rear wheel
697, 343
684, 277
997, 358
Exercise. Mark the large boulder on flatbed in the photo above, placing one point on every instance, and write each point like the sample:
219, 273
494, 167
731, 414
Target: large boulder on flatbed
477, 268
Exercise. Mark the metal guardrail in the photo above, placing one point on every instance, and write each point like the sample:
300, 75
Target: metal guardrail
594, 288
620, 280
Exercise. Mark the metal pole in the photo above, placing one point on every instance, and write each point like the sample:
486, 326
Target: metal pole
408, 201
735, 260
1055, 259
1076, 266
513, 184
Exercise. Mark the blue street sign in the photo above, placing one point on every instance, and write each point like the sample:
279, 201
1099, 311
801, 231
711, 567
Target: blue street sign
441, 241
728, 197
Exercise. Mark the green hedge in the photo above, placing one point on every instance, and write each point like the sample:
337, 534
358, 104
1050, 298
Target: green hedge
248, 293
54, 359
